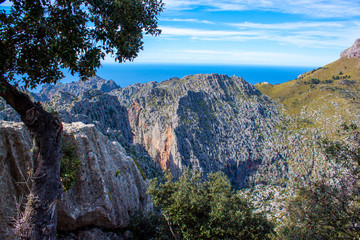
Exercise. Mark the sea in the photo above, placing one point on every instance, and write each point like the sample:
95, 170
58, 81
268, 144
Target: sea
125, 74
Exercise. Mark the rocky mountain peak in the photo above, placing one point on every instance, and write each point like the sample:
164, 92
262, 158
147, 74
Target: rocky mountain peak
76, 88
353, 51
208, 122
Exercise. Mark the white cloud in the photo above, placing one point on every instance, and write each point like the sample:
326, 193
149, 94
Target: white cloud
305, 34
288, 25
204, 34
186, 20
211, 56
179, 4
314, 8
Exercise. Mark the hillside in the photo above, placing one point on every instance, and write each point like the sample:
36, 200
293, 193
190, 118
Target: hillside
315, 106
326, 96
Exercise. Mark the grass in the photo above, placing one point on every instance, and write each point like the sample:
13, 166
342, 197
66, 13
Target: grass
326, 96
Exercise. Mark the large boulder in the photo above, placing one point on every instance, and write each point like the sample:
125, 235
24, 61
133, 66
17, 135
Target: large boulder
15, 166
109, 187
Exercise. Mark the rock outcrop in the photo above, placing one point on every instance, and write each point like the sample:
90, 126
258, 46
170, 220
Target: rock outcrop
7, 113
76, 88
109, 186
353, 51
96, 107
15, 166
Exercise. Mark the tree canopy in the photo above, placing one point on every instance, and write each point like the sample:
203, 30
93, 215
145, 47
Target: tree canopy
39, 37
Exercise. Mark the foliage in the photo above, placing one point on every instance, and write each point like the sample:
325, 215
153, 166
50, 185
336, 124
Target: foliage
329, 208
40, 37
313, 81
197, 209
69, 167
149, 225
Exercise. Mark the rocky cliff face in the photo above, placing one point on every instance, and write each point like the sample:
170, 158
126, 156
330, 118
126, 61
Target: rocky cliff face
93, 106
208, 122
353, 51
108, 189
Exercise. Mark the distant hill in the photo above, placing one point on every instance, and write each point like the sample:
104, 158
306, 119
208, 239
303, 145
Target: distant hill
327, 96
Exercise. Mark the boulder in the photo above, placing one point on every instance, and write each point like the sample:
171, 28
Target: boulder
109, 186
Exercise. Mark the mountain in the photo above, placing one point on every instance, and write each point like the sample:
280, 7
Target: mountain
265, 137
75, 88
208, 122
315, 106
353, 51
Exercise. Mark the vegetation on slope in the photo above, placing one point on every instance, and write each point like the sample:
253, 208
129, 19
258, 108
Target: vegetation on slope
326, 97
194, 208
328, 207
321, 188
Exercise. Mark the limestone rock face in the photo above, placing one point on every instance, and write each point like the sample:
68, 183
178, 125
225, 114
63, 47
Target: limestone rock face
353, 51
102, 110
7, 113
109, 185
15, 165
108, 115
208, 122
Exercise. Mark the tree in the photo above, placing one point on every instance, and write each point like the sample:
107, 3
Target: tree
197, 209
38, 39
329, 207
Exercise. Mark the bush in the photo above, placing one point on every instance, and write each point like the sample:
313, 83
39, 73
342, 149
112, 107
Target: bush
197, 209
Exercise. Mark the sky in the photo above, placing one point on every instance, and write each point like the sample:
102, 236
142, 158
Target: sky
252, 32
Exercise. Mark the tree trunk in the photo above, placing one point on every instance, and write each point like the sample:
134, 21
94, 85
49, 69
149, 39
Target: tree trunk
39, 219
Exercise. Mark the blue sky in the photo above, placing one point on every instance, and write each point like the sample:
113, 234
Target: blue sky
260, 32
253, 32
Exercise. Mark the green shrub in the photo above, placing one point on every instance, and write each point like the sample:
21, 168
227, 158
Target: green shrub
70, 164
197, 209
